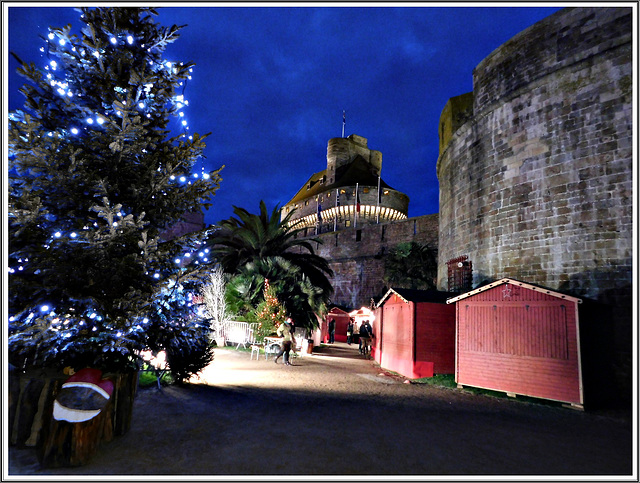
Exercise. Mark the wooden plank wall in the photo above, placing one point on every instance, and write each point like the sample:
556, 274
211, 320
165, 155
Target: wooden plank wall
397, 336
435, 336
523, 343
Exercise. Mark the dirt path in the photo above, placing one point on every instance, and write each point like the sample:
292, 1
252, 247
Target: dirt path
333, 413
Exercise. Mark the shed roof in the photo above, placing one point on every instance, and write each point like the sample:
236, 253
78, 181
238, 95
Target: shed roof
414, 295
517, 283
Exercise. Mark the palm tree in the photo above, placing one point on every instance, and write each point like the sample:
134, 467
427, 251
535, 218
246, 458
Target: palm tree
265, 246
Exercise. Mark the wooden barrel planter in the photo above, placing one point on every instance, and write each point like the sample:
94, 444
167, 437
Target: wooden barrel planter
60, 443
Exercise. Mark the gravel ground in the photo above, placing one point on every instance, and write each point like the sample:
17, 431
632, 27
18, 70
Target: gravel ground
333, 413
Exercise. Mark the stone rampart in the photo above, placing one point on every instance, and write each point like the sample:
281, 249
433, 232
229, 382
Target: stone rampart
357, 256
537, 185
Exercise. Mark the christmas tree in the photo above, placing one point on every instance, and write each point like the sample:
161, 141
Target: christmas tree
95, 177
270, 313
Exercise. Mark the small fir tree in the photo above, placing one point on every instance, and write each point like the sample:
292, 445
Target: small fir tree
95, 177
270, 313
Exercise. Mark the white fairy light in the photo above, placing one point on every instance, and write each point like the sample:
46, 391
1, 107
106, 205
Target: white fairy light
206, 176
100, 120
73, 234
44, 308
62, 41
51, 36
141, 105
114, 41
183, 179
89, 120
177, 260
57, 234
74, 130
53, 64
156, 275
130, 39
61, 91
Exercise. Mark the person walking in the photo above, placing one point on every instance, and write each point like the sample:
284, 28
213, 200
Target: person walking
332, 331
350, 331
286, 332
366, 333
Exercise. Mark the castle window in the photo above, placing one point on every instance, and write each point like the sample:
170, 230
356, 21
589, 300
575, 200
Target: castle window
358, 235
306, 203
366, 190
382, 236
385, 192
342, 192
329, 194
347, 223
336, 239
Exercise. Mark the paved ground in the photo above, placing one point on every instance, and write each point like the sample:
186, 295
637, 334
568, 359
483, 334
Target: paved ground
334, 413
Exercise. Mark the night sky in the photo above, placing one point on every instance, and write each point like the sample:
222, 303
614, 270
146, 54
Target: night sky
270, 85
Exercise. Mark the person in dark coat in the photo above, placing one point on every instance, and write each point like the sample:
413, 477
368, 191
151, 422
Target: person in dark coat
350, 329
332, 331
366, 333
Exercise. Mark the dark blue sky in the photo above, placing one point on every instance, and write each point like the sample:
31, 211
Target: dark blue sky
270, 84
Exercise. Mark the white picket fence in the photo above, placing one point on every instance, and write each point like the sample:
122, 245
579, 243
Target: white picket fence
239, 333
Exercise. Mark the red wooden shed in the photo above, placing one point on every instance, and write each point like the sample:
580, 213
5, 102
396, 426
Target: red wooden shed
414, 333
342, 321
521, 339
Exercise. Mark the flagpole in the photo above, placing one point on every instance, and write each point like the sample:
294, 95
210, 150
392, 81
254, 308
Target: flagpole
378, 204
344, 121
355, 211
317, 215
335, 219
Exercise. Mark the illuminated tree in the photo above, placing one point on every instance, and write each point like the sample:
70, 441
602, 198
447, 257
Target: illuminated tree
95, 177
270, 313
214, 300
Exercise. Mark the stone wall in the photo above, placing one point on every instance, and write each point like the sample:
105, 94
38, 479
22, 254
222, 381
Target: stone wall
357, 256
537, 186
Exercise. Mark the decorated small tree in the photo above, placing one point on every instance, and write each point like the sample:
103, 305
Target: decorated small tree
97, 173
215, 305
270, 313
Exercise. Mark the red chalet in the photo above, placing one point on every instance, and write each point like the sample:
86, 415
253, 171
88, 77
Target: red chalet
414, 333
521, 339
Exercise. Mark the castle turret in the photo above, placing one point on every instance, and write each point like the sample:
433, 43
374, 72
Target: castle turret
349, 193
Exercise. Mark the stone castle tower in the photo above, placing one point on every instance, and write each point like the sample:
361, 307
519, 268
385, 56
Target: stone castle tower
348, 193
535, 166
